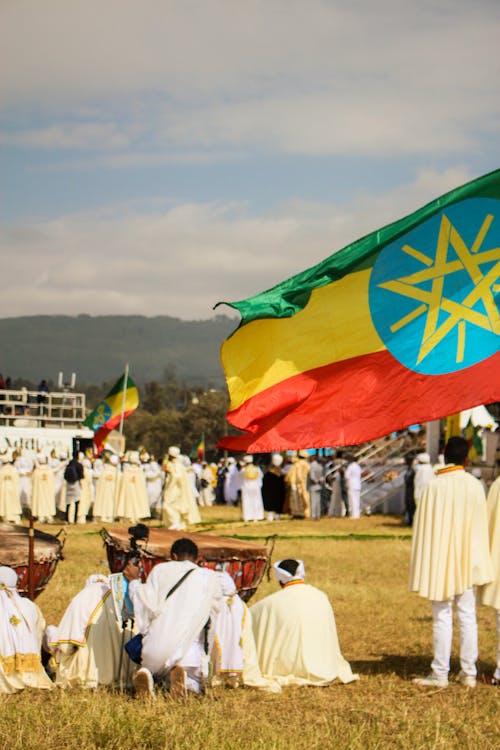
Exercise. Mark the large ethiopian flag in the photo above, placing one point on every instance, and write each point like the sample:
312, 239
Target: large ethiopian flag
400, 327
120, 402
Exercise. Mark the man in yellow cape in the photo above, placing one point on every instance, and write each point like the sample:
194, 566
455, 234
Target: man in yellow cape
295, 632
450, 555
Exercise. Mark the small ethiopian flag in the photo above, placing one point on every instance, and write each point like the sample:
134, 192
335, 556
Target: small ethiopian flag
120, 402
397, 328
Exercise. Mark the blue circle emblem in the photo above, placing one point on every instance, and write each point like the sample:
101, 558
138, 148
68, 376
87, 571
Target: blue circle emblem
102, 414
435, 292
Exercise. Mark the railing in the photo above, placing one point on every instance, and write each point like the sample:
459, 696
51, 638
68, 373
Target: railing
23, 408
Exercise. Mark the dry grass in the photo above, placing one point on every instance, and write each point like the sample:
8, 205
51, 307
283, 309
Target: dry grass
384, 632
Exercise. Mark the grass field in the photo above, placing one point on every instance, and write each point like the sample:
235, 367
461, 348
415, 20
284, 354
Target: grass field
385, 633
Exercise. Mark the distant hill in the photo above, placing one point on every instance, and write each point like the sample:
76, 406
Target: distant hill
97, 348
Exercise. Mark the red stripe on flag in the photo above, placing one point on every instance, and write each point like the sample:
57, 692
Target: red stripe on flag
322, 407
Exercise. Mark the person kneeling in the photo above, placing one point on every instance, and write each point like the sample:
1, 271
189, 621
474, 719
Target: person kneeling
176, 610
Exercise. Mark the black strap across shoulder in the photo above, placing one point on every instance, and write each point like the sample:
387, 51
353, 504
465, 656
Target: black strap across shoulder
181, 579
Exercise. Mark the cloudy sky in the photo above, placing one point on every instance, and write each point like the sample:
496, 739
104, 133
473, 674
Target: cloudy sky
162, 155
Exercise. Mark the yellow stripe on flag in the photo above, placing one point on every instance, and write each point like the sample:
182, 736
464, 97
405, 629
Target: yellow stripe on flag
334, 325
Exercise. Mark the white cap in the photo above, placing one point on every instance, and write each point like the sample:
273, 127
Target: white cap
174, 451
231, 460
248, 459
8, 577
134, 457
113, 459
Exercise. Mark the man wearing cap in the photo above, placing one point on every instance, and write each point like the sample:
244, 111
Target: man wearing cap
490, 594
107, 489
352, 476
43, 500
315, 481
133, 500
273, 488
295, 632
21, 630
179, 506
10, 504
296, 485
231, 482
176, 612
252, 506
449, 556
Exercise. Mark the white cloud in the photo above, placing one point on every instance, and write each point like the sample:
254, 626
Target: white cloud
182, 261
319, 77
100, 136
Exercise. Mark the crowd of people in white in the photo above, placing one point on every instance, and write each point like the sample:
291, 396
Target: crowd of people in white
137, 486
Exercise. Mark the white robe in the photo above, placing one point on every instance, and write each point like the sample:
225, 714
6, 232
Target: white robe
490, 594
24, 466
43, 501
10, 504
234, 646
450, 537
296, 637
21, 632
88, 642
179, 506
106, 493
252, 505
154, 478
132, 497
172, 627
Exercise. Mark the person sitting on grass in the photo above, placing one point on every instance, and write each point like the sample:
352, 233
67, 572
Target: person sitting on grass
88, 643
176, 611
21, 629
295, 632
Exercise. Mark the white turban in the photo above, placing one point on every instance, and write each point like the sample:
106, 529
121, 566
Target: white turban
248, 459
8, 577
113, 459
174, 451
283, 576
276, 459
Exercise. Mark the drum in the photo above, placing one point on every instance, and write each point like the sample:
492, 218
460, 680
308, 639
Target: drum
246, 562
14, 545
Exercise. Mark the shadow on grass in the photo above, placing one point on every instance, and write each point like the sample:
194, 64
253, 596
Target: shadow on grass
405, 667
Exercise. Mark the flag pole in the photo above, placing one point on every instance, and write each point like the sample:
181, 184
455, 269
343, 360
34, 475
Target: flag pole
124, 397
203, 444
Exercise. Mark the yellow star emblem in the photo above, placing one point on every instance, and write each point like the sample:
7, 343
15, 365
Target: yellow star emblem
477, 307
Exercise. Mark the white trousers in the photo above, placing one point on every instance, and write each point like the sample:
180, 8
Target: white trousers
442, 613
497, 670
354, 502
